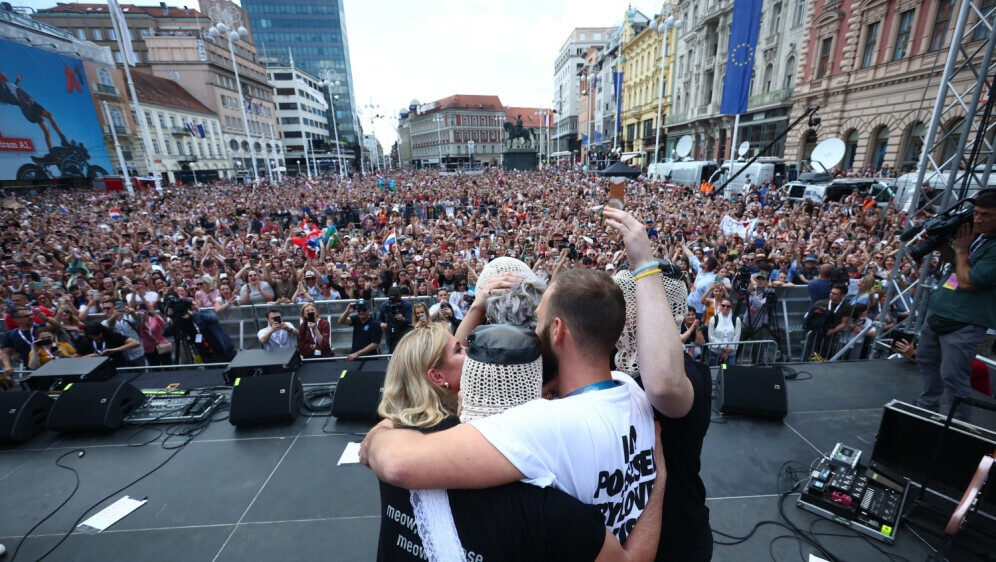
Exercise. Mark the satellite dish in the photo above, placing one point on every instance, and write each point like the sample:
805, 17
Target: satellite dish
684, 147
743, 148
828, 153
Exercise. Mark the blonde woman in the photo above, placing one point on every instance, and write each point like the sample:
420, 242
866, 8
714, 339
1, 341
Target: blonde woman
420, 315
315, 336
711, 299
423, 377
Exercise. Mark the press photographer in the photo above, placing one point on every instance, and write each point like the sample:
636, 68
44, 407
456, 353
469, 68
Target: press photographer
395, 317
759, 316
200, 332
963, 306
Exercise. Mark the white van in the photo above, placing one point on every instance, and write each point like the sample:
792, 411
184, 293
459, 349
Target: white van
905, 186
692, 172
764, 169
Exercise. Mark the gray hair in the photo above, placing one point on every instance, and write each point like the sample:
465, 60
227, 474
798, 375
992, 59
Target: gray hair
517, 307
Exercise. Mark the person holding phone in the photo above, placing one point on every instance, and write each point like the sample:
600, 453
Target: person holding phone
45, 348
366, 330
420, 315
277, 334
315, 335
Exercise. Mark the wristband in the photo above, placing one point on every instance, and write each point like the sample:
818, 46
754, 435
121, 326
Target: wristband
647, 265
647, 274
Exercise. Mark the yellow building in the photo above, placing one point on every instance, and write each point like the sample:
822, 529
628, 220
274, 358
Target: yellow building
641, 65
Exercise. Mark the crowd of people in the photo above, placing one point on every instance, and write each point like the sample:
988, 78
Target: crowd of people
81, 255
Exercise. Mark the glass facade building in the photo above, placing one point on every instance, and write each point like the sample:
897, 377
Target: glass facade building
315, 32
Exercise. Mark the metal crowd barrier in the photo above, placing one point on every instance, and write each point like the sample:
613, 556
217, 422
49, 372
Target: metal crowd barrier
746, 352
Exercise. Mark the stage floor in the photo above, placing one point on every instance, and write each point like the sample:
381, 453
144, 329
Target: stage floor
276, 492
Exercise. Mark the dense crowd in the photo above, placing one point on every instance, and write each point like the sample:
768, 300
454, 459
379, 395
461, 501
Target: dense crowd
81, 253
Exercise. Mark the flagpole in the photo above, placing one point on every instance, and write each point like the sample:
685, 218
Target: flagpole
733, 142
117, 148
122, 31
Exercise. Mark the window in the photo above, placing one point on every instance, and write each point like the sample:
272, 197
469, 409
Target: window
220, 153
939, 31
116, 118
169, 148
768, 71
155, 146
210, 151
789, 73
800, 13
823, 65
143, 33
989, 9
190, 148
104, 77
881, 144
214, 127
228, 122
97, 35
172, 120
871, 39
903, 36
850, 149
596, 36
581, 36
112, 34
118, 57
81, 33
776, 18
162, 120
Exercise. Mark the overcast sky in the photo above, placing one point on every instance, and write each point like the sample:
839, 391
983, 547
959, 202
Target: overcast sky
431, 49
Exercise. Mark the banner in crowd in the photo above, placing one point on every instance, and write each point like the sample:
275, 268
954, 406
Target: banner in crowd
48, 123
732, 227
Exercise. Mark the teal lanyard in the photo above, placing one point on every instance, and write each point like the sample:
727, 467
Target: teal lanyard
600, 385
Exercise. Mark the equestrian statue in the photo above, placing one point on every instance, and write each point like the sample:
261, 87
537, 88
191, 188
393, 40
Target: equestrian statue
517, 131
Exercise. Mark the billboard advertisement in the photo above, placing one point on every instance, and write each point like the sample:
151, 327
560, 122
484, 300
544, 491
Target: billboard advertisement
48, 124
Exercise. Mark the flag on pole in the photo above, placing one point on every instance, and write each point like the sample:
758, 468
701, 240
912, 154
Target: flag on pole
617, 80
743, 40
124, 39
391, 239
64, 209
192, 130
380, 176
115, 214
200, 130
584, 139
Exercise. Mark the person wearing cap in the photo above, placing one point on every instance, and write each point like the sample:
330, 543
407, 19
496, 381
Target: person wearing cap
502, 368
366, 331
757, 316
810, 270
311, 286
606, 411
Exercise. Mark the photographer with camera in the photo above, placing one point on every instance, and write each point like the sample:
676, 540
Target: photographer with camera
758, 316
396, 317
960, 310
277, 334
203, 334
45, 348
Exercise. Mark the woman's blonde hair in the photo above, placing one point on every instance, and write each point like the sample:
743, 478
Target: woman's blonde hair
410, 398
418, 306
305, 307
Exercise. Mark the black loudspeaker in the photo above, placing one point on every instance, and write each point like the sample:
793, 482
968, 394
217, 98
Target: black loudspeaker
94, 406
265, 399
22, 415
254, 362
358, 394
757, 391
84, 369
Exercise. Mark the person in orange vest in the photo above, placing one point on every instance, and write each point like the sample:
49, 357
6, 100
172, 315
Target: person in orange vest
703, 187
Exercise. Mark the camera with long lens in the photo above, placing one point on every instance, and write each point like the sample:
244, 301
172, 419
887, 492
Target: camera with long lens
175, 307
742, 279
939, 230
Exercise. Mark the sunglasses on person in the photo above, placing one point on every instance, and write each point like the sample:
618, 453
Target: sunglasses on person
725, 306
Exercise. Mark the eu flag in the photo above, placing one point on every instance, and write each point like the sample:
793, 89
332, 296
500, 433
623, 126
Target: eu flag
743, 41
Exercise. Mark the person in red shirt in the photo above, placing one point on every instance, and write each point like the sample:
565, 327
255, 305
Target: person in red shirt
20, 298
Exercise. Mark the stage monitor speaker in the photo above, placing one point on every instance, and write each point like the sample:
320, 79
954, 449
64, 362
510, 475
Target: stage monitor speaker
358, 394
265, 399
756, 391
94, 406
82, 369
252, 362
22, 414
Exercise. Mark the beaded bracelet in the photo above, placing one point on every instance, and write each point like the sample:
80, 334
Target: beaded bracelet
645, 266
646, 274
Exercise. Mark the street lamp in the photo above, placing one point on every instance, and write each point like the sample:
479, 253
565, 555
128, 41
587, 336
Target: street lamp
667, 22
439, 139
330, 80
227, 22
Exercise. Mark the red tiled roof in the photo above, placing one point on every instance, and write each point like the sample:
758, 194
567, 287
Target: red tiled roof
461, 101
529, 116
161, 91
153, 11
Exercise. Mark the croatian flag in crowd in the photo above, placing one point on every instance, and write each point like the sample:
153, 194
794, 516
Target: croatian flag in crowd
308, 185
64, 209
392, 238
115, 214
379, 176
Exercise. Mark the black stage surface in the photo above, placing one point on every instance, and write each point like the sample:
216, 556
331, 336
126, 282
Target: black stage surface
276, 492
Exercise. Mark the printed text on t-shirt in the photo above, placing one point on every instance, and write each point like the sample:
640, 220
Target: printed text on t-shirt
627, 491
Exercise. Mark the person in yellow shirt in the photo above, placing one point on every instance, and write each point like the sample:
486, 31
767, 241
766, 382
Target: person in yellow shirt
45, 348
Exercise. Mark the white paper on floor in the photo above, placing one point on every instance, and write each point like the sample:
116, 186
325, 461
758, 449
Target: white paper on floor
111, 514
351, 454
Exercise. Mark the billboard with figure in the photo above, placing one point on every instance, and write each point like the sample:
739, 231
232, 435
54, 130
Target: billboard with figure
48, 124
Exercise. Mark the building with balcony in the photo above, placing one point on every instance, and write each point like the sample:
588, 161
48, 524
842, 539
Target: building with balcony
441, 131
567, 86
302, 113
606, 106
703, 52
870, 68
643, 93
187, 138
314, 31
586, 103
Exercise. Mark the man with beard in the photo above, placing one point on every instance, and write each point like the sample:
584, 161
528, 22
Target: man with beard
595, 443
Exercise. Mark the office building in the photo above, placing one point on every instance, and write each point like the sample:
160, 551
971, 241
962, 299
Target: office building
567, 87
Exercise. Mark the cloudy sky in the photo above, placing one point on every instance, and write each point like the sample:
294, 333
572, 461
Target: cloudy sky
431, 49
